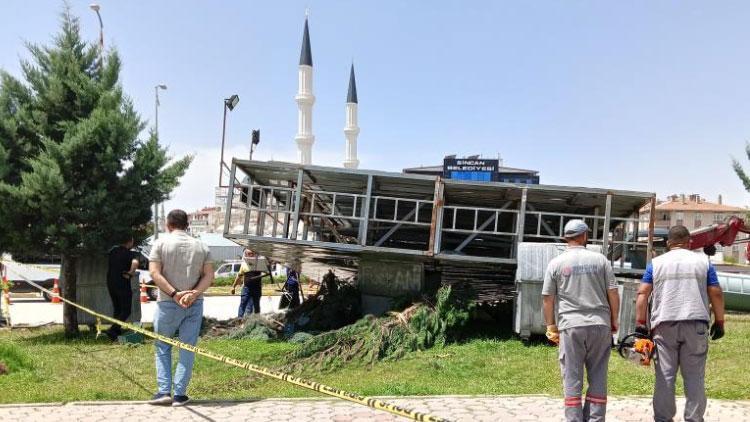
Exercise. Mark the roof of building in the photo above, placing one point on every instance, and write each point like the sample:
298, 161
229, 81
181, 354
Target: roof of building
305, 56
351, 95
215, 240
435, 169
693, 204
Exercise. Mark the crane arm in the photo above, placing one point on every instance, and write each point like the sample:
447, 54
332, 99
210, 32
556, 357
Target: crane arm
725, 234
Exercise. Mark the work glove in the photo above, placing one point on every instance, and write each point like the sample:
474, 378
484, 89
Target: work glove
642, 329
717, 330
553, 335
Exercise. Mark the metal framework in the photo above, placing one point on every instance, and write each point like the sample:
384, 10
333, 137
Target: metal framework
334, 215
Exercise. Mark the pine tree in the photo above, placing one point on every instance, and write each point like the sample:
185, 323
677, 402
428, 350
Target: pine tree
71, 161
740, 171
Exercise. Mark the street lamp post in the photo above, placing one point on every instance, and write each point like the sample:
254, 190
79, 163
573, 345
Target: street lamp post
254, 140
229, 104
156, 132
95, 7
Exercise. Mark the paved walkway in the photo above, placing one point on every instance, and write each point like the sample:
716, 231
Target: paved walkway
34, 311
473, 409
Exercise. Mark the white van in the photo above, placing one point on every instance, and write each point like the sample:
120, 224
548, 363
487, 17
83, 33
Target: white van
228, 269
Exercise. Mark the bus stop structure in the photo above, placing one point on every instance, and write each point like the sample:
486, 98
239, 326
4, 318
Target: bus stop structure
402, 233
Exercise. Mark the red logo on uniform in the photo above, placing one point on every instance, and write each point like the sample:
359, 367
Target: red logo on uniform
567, 271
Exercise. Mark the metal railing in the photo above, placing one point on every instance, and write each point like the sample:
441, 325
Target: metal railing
451, 212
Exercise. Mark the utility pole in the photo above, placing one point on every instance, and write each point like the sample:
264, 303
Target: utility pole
229, 104
95, 7
156, 131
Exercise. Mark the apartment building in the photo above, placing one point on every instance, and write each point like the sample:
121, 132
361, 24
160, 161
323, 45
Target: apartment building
694, 212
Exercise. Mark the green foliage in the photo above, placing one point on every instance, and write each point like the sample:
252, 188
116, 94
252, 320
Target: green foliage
255, 327
740, 171
71, 161
223, 281
729, 259
5, 284
372, 339
14, 358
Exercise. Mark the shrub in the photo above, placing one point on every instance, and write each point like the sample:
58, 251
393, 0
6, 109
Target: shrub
419, 327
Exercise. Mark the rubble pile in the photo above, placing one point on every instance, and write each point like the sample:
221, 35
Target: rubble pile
335, 305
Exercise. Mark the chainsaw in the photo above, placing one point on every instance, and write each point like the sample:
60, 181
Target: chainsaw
637, 348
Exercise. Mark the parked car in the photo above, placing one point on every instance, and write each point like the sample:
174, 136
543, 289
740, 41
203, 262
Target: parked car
20, 286
228, 269
43, 275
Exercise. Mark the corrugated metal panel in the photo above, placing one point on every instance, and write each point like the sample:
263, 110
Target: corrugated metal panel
226, 253
628, 295
92, 290
528, 316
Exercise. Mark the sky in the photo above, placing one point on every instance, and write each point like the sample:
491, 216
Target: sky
640, 95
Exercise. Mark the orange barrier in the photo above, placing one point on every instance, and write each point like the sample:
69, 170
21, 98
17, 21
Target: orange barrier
144, 296
56, 291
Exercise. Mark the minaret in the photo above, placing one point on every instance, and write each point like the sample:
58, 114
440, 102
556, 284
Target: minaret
305, 100
351, 130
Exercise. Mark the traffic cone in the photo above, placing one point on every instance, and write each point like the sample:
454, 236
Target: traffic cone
144, 296
56, 293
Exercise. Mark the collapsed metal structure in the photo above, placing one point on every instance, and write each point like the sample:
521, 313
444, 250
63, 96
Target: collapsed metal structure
459, 230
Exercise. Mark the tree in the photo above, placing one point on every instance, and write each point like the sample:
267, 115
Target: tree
71, 161
740, 171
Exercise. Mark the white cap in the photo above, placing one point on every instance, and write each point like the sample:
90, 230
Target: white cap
574, 228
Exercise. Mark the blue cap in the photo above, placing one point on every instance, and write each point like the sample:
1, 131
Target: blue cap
574, 228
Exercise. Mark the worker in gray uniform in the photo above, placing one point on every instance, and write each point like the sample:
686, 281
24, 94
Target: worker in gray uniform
680, 283
583, 285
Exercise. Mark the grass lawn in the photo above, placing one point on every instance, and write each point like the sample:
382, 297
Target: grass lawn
45, 368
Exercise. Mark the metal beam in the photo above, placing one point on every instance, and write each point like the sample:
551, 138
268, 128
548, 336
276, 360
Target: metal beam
364, 222
651, 222
246, 225
287, 207
260, 223
596, 222
393, 229
297, 204
605, 233
436, 224
230, 194
544, 223
473, 236
521, 221
484, 225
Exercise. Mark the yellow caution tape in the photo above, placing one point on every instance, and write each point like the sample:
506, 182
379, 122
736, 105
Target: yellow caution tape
311, 385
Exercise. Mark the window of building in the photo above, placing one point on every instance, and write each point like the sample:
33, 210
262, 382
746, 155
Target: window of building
665, 217
718, 218
698, 220
680, 217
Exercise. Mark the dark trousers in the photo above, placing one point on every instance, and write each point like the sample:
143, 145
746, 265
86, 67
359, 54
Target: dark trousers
292, 290
122, 302
249, 301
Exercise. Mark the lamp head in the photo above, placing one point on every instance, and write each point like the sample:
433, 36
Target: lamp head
232, 101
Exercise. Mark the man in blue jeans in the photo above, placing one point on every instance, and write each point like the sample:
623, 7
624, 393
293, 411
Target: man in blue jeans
252, 285
182, 269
